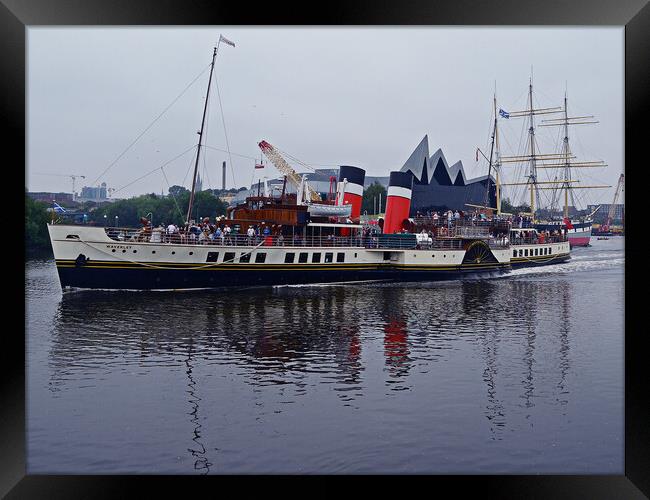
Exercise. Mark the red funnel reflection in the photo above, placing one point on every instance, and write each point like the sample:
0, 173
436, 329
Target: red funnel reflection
395, 342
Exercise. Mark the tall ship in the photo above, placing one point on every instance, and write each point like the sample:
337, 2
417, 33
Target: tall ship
562, 168
279, 240
529, 245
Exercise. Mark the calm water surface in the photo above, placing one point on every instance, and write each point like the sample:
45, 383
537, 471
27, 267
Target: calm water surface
516, 374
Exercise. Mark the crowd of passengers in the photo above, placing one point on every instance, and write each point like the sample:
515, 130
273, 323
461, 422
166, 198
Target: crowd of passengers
451, 217
535, 237
207, 232
220, 232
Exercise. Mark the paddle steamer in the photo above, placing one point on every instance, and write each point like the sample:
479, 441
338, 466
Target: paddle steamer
309, 241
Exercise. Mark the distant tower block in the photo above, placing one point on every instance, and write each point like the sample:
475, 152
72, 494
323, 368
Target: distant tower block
223, 176
398, 201
353, 191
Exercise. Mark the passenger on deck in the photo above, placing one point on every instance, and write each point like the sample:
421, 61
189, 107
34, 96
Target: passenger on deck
226, 233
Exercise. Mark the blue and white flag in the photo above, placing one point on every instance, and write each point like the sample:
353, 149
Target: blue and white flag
58, 208
503, 113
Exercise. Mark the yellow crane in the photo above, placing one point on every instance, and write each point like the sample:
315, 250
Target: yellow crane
612, 207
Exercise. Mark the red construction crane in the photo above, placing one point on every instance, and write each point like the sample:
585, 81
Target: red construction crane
281, 164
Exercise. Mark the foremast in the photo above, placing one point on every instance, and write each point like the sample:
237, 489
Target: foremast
534, 159
567, 155
200, 132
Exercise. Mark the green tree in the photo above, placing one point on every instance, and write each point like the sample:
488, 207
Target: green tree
177, 190
509, 208
370, 200
163, 210
36, 219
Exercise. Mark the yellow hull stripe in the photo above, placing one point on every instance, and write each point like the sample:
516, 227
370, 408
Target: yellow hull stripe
274, 267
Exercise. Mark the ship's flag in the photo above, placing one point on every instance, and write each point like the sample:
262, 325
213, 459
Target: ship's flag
503, 113
58, 208
567, 223
225, 40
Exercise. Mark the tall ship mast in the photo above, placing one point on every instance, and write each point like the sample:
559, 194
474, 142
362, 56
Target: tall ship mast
578, 230
529, 247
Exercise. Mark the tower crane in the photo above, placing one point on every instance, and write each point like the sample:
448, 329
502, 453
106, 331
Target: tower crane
72, 176
612, 207
281, 164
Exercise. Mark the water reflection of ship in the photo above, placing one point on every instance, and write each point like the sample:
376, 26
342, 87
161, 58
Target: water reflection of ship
527, 314
396, 349
199, 452
292, 330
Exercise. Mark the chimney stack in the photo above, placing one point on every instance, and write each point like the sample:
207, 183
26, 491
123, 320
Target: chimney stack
353, 190
398, 201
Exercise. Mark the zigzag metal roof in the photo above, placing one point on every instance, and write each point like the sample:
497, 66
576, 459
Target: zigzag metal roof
420, 163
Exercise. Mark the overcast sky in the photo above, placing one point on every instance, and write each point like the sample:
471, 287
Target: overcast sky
327, 96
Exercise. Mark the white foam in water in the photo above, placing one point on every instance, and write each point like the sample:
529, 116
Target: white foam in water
568, 267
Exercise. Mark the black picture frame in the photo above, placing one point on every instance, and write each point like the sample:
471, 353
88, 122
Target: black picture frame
17, 15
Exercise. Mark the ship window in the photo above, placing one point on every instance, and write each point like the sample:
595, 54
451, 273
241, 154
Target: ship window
514, 253
113, 250
289, 258
355, 255
302, 258
526, 252
72, 237
386, 255
260, 258
212, 257
329, 257
173, 253
135, 251
340, 257
229, 256
191, 253
153, 251
245, 257
550, 251
315, 257
123, 251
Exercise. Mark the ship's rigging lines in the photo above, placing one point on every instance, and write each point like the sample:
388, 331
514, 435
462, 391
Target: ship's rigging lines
537, 160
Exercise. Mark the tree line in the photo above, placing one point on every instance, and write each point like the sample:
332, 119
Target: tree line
171, 209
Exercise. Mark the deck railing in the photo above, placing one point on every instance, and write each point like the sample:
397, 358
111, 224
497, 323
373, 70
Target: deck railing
538, 241
398, 241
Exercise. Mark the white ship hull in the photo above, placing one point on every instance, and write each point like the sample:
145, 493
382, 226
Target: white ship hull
86, 257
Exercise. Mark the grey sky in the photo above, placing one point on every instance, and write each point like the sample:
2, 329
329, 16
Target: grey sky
328, 96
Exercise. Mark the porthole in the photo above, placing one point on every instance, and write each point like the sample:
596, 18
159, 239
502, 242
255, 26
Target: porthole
153, 251
113, 250
135, 251
123, 251
191, 253
173, 253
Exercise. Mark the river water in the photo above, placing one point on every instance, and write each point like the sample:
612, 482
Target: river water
522, 373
